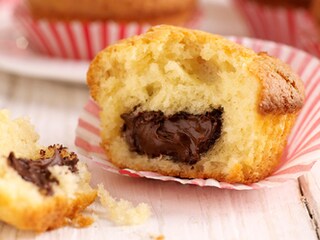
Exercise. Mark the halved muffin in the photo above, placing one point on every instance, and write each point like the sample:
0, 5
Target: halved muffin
191, 104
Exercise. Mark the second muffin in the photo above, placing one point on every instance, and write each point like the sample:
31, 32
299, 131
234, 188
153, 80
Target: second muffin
80, 29
147, 11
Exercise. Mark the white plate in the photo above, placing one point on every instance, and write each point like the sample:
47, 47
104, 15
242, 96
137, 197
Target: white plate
29, 64
25, 62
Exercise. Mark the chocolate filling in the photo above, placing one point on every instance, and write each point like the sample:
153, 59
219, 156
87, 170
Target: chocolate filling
183, 136
37, 172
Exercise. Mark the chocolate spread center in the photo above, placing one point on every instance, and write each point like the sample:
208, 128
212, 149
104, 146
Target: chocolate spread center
37, 172
183, 136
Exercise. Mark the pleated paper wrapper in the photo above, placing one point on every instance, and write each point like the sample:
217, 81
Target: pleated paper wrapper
300, 154
77, 39
289, 25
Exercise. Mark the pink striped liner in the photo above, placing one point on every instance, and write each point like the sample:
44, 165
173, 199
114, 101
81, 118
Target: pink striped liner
303, 148
75, 39
311, 41
279, 24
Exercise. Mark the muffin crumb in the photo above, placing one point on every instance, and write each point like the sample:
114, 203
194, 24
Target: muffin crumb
157, 237
122, 212
81, 221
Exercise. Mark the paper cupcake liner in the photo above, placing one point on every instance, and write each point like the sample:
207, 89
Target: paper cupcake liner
300, 154
77, 39
310, 41
278, 24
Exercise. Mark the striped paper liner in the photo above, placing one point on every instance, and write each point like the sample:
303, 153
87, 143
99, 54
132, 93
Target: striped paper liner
279, 24
303, 148
310, 41
76, 39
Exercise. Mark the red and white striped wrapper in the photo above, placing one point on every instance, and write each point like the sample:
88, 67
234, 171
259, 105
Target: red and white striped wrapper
279, 24
78, 39
310, 41
303, 148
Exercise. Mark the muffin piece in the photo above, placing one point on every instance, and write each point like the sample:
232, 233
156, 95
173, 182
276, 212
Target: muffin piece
151, 11
40, 188
121, 211
191, 104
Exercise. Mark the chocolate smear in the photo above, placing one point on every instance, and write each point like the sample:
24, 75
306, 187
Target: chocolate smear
37, 172
183, 136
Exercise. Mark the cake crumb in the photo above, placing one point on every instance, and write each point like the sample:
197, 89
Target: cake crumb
81, 221
159, 237
122, 212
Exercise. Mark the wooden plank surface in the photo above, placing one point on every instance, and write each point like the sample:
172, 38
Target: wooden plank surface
310, 186
179, 212
290, 211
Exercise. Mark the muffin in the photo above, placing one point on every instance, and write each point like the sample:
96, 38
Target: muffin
282, 21
189, 104
40, 188
287, 3
150, 11
80, 29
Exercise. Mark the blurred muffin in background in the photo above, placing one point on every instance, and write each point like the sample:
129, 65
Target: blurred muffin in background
79, 29
284, 21
311, 42
150, 11
315, 10
287, 3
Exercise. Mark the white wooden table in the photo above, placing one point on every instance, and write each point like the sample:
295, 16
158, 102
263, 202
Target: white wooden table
290, 211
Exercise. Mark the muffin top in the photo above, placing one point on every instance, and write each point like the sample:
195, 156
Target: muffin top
282, 89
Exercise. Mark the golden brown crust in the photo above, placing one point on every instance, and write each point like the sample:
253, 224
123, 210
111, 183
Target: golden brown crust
160, 237
81, 221
151, 11
55, 212
236, 175
283, 90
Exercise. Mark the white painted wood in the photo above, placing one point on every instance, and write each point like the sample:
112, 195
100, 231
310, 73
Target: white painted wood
52, 107
310, 185
179, 212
